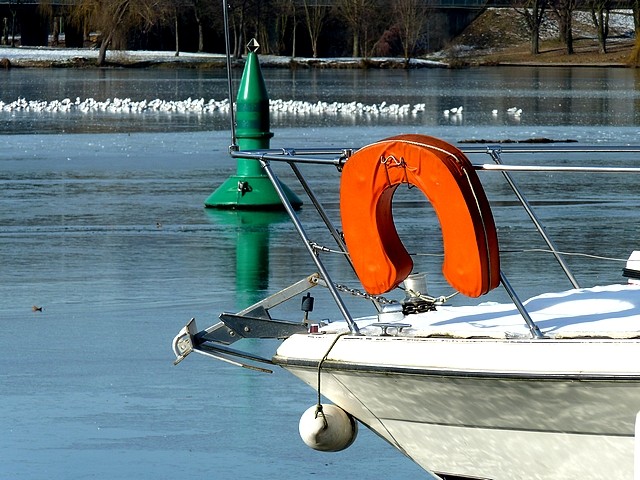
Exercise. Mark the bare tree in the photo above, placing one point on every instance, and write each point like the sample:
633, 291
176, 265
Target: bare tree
55, 41
357, 14
5, 31
374, 26
176, 31
202, 10
114, 18
564, 11
250, 19
600, 10
533, 13
236, 20
261, 19
198, 16
294, 32
174, 12
315, 13
238, 17
285, 14
411, 17
14, 12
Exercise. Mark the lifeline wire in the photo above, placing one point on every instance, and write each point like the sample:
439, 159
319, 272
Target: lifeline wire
543, 250
569, 254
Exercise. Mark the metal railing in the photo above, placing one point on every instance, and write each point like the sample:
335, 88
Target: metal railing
338, 158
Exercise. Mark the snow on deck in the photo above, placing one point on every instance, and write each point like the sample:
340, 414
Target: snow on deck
611, 311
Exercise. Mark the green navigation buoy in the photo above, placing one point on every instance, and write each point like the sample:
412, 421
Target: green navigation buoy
250, 187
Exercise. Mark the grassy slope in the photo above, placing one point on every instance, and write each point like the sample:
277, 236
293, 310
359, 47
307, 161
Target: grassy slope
499, 36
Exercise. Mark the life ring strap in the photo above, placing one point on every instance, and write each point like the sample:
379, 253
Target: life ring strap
446, 177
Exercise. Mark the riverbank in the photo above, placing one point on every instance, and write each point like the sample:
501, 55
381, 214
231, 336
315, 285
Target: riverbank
551, 54
496, 37
500, 37
46, 57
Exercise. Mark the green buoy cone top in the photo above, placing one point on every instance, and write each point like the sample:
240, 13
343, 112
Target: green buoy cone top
250, 188
252, 107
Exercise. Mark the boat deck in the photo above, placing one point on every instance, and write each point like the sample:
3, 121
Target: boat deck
611, 312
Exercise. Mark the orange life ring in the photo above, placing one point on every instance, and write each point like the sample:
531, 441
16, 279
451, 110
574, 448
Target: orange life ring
444, 174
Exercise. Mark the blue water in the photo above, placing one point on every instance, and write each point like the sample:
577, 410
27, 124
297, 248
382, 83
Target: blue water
107, 232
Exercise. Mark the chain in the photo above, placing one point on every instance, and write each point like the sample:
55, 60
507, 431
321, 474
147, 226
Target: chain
426, 304
359, 293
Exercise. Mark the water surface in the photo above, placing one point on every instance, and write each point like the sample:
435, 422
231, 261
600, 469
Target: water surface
548, 97
105, 229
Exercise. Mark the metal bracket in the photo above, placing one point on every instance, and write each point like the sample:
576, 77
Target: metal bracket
283, 295
256, 327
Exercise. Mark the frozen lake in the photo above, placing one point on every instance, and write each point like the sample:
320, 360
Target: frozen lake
105, 229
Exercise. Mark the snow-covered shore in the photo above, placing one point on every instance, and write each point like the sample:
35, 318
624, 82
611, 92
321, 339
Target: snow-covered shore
75, 57
62, 57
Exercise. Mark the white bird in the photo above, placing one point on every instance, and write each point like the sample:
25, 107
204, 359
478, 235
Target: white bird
201, 106
494, 112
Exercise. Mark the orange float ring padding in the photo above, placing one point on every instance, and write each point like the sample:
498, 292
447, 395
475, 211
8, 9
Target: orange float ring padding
444, 174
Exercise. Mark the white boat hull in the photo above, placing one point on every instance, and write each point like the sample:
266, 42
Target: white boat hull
574, 420
546, 388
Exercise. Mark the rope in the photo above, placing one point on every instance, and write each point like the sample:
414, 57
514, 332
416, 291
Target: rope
322, 360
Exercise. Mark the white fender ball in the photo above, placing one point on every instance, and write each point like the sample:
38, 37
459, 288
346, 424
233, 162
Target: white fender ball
329, 429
